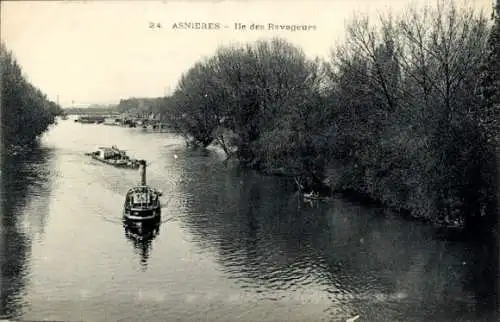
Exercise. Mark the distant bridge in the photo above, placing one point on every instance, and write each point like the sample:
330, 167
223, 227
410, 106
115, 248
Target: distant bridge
108, 113
83, 111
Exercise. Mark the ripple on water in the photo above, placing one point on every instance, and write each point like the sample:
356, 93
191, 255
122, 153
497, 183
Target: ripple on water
238, 246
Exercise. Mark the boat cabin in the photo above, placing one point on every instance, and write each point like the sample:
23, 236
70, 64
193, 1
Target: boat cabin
109, 153
142, 197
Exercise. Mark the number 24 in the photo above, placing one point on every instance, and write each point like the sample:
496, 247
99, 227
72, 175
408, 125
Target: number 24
154, 25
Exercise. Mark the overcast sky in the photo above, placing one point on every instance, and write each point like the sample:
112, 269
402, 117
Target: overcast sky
102, 51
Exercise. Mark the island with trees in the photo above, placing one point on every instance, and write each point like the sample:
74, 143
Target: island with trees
405, 112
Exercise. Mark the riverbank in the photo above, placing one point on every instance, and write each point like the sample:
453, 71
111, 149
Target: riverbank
325, 190
18, 149
444, 227
26, 112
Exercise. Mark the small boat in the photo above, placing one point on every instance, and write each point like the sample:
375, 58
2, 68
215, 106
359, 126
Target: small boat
111, 121
312, 196
142, 202
115, 157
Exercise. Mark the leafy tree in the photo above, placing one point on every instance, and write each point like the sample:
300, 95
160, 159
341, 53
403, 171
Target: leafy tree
26, 111
406, 112
409, 85
486, 118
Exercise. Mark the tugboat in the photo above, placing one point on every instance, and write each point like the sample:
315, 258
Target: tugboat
142, 202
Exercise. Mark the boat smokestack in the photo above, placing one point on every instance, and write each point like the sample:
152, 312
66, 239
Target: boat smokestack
143, 172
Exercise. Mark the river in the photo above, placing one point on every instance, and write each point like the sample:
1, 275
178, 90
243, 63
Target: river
233, 245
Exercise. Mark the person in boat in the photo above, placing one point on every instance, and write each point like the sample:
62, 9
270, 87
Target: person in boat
312, 194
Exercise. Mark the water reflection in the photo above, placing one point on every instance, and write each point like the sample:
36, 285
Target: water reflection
355, 258
26, 183
482, 276
142, 234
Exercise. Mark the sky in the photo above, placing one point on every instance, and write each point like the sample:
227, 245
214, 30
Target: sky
90, 52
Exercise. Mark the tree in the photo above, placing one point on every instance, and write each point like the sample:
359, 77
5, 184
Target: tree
407, 84
26, 111
486, 118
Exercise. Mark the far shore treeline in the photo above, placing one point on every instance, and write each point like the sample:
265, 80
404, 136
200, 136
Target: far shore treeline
26, 112
404, 112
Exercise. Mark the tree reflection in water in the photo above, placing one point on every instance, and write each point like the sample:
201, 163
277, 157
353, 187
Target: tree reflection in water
357, 257
26, 182
142, 234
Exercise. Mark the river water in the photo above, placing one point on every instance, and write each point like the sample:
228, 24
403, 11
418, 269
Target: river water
233, 245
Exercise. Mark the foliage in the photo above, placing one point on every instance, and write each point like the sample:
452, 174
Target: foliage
420, 80
406, 111
26, 112
486, 116
140, 106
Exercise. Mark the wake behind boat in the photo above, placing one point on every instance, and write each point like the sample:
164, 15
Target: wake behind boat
115, 157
